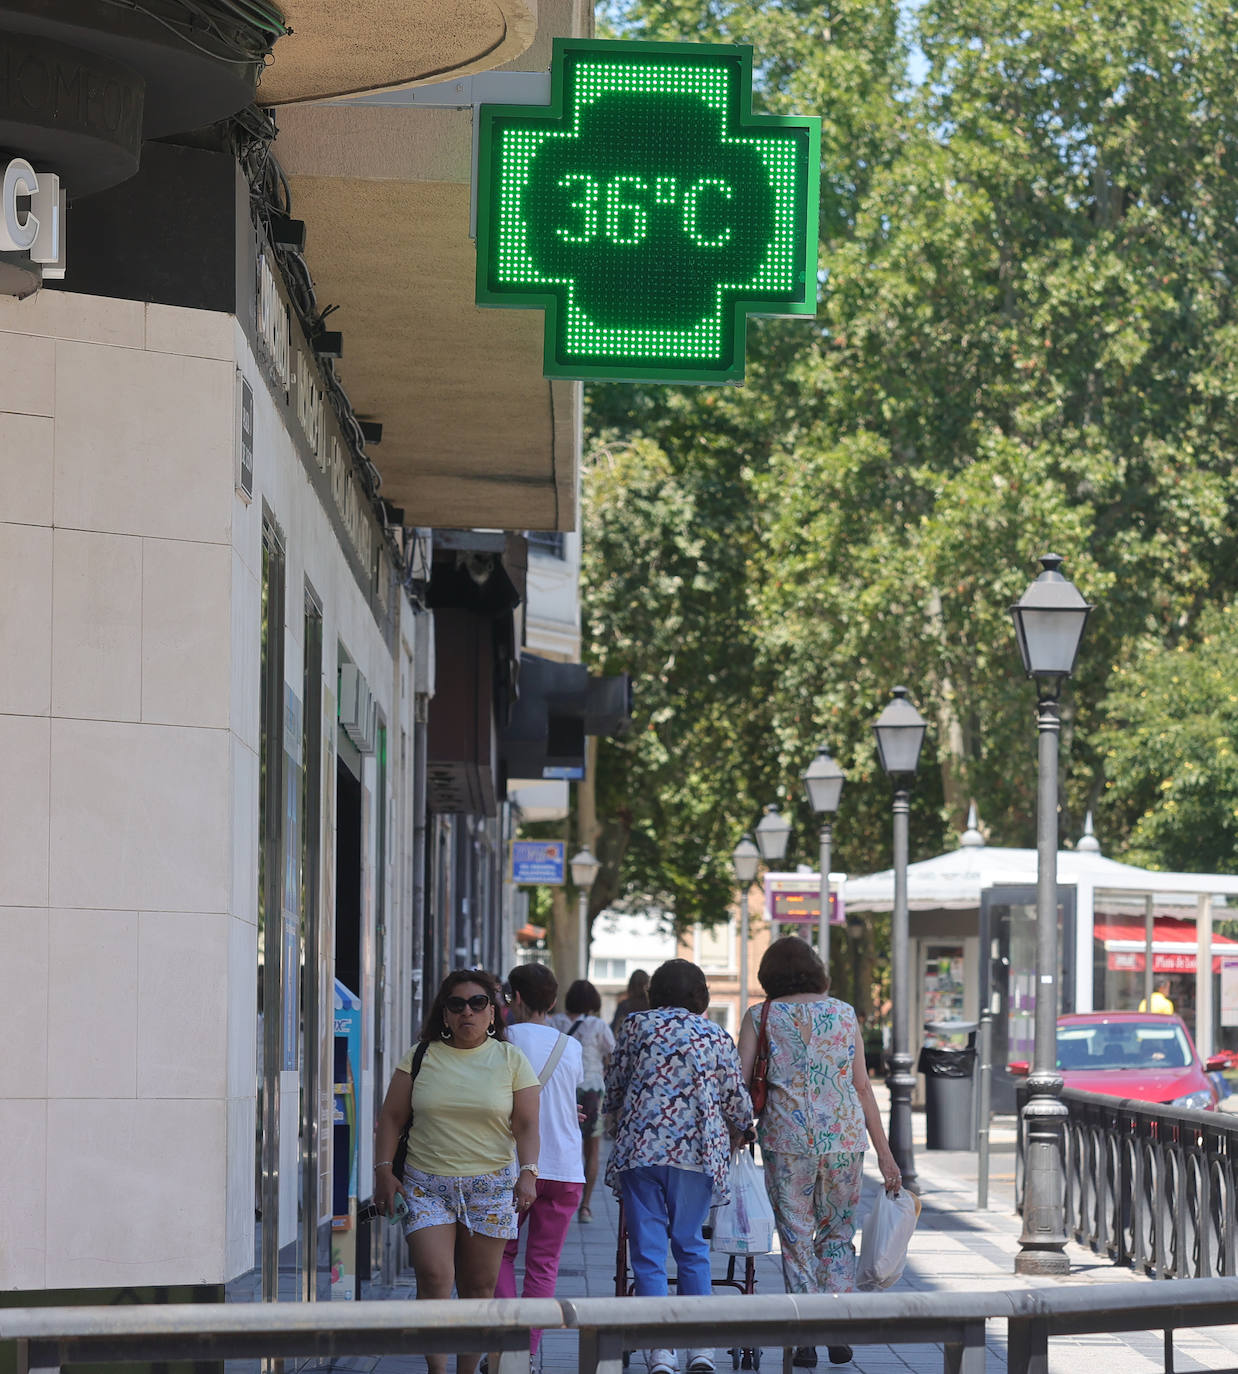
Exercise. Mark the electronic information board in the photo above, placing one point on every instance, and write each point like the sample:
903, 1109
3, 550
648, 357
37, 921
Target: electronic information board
647, 210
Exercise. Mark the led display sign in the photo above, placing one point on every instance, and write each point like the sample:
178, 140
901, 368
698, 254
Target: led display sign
647, 210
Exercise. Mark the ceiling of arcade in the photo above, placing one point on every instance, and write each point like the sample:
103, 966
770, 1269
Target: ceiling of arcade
473, 434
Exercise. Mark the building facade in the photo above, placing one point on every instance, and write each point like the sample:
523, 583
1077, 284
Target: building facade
265, 478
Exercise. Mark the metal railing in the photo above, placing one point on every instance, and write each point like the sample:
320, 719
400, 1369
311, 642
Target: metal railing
48, 1338
1150, 1186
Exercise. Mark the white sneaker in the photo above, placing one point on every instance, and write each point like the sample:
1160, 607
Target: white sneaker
700, 1362
660, 1361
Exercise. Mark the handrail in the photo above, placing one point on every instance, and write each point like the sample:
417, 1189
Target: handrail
49, 1337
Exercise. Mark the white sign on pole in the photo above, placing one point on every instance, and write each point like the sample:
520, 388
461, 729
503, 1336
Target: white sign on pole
1229, 990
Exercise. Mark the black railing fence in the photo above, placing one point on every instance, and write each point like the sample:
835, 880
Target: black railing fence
1150, 1186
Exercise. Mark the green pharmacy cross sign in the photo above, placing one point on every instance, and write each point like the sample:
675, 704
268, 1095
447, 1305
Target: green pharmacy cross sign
647, 210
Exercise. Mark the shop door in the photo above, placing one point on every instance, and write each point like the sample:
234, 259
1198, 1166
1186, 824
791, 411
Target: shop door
271, 921
1008, 976
349, 845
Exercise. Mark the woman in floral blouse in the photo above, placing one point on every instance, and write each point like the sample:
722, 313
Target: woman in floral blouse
812, 1132
676, 1100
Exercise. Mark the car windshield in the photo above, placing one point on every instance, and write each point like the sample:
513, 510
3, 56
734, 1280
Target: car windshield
1122, 1045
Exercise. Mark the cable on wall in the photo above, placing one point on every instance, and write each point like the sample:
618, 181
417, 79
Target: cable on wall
230, 30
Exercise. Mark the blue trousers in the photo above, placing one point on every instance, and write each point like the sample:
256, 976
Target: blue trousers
660, 1203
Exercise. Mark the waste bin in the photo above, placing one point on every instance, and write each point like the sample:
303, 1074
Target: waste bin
949, 1080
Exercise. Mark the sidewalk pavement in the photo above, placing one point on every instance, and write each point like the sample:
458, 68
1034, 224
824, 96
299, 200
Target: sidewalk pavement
956, 1246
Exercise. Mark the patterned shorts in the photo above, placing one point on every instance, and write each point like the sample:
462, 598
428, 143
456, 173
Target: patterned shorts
483, 1203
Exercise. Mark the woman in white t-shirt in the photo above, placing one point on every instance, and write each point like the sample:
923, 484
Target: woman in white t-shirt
584, 1004
561, 1175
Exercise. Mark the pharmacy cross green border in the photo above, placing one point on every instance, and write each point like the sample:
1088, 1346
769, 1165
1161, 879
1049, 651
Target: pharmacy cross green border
647, 211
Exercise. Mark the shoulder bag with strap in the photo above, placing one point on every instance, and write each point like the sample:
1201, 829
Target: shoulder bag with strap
552, 1059
401, 1149
575, 1026
758, 1087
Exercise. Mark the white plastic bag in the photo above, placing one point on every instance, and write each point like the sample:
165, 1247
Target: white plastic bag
745, 1225
888, 1229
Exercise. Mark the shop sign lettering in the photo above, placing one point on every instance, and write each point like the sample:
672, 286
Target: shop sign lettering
32, 216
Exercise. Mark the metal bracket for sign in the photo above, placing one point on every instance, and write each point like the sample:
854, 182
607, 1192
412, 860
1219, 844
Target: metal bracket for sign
467, 93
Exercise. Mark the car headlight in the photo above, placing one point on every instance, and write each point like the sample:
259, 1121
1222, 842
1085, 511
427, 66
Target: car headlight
1199, 1102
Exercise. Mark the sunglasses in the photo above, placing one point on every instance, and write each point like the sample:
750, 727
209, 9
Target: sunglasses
478, 1002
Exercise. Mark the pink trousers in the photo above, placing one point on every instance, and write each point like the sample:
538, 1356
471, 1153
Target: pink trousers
545, 1224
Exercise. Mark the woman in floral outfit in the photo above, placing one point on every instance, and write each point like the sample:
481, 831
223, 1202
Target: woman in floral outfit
676, 1100
812, 1131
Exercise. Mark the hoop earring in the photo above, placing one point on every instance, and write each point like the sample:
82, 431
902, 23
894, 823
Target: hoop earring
444, 1034
490, 1030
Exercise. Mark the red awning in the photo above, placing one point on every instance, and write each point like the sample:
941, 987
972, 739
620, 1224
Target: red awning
1175, 943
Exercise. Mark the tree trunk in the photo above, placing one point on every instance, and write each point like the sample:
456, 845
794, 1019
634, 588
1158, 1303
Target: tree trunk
950, 739
564, 944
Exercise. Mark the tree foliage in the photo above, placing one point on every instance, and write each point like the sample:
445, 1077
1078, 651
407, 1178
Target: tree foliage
1171, 756
1026, 341
665, 559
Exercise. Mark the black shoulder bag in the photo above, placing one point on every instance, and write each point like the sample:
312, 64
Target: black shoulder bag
401, 1148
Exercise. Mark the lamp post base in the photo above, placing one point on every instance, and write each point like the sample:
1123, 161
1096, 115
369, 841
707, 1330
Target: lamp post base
1042, 1245
1046, 1263
902, 1084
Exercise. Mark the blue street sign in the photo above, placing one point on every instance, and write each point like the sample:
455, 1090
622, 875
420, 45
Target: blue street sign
537, 861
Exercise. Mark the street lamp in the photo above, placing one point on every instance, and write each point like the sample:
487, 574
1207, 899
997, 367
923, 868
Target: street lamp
745, 858
584, 870
900, 732
823, 785
773, 831
1048, 620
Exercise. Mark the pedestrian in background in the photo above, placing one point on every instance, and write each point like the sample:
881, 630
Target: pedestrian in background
1161, 1004
676, 1097
472, 1147
560, 1180
637, 999
812, 1131
583, 1005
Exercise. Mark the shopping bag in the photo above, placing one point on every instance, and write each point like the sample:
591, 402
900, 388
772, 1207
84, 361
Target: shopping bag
888, 1229
745, 1225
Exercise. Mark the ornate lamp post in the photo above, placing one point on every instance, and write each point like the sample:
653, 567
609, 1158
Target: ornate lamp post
823, 786
1048, 622
745, 859
584, 869
900, 732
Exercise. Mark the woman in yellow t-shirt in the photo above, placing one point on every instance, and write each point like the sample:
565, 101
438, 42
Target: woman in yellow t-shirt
472, 1149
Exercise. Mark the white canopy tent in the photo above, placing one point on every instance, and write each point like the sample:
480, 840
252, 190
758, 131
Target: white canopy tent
956, 880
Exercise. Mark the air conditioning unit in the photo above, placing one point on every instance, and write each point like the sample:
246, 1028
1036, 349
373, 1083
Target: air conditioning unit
357, 712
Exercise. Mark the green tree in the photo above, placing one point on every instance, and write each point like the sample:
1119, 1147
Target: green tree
1171, 757
1026, 341
1019, 353
665, 599
676, 489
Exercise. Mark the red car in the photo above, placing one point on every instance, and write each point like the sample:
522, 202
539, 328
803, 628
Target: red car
1134, 1054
